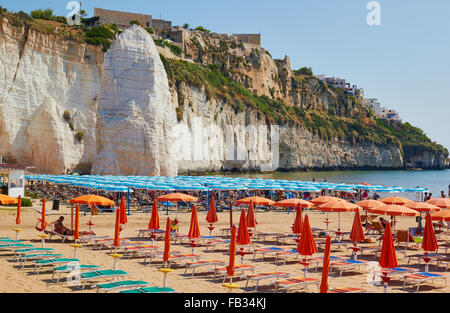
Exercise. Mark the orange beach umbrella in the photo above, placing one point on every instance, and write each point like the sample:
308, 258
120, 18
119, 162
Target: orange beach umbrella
212, 213
298, 223
429, 242
306, 244
369, 204
357, 233
194, 230
338, 206
443, 203
76, 233
154, 219
19, 206
230, 267
243, 238
177, 197
92, 199
396, 200
167, 242
123, 212
324, 199
388, 258
43, 223
116, 242
251, 221
256, 201
4, 199
443, 215
394, 210
326, 266
294, 203
423, 207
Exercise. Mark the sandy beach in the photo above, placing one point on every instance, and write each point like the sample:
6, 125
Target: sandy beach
15, 280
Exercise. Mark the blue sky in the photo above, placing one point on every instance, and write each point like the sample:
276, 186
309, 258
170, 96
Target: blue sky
404, 62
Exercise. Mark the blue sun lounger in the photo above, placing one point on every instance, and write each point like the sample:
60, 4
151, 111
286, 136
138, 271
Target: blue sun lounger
101, 274
68, 268
420, 277
50, 262
33, 257
20, 252
14, 246
120, 285
150, 290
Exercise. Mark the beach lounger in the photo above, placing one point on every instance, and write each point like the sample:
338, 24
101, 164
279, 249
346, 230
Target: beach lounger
20, 252
182, 258
32, 257
14, 246
151, 255
239, 271
158, 233
343, 265
100, 274
151, 290
133, 251
295, 282
422, 277
120, 285
70, 268
444, 260
10, 241
211, 263
51, 262
347, 290
267, 251
393, 272
270, 275
86, 240
420, 257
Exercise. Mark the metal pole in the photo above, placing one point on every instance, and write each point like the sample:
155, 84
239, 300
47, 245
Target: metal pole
128, 201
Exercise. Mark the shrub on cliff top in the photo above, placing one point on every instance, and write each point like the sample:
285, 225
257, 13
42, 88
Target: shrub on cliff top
304, 71
79, 135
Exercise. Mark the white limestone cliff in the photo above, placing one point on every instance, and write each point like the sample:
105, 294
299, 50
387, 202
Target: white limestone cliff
135, 111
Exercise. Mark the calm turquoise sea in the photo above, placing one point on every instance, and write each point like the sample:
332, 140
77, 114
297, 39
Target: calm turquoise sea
435, 181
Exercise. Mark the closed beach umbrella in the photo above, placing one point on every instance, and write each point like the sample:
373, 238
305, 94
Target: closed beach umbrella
256, 200
194, 230
116, 242
19, 206
423, 207
396, 200
298, 223
154, 219
4, 199
388, 258
123, 212
231, 263
443, 203
357, 233
76, 233
167, 243
43, 223
443, 215
212, 213
251, 221
306, 245
325, 266
429, 242
243, 238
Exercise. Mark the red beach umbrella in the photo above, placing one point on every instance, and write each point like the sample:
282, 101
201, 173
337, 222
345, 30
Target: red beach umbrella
369, 204
357, 233
19, 206
230, 268
117, 229
324, 199
443, 215
429, 242
154, 219
256, 200
325, 266
243, 238
388, 258
212, 213
423, 207
443, 203
298, 223
43, 223
306, 245
76, 233
294, 203
194, 230
396, 200
177, 197
167, 243
251, 221
123, 212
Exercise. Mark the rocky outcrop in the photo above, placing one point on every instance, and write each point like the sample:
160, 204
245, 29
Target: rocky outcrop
135, 111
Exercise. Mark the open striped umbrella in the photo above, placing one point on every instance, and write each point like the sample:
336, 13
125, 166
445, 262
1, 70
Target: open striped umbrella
423, 207
443, 215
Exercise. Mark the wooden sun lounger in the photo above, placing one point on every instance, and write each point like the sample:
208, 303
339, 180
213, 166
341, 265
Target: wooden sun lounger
211, 263
270, 275
296, 282
421, 277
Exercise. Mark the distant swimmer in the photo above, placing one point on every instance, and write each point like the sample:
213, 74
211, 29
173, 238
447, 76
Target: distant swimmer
443, 194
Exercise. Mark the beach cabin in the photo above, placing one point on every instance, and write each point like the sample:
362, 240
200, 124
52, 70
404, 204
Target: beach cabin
13, 176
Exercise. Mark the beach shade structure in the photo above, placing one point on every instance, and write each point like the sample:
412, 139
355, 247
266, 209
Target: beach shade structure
443, 215
325, 266
194, 230
357, 233
394, 210
19, 207
388, 258
423, 207
369, 204
395, 200
154, 221
306, 245
211, 218
4, 199
256, 201
243, 237
324, 199
92, 200
298, 222
443, 203
231, 262
166, 254
42, 220
76, 233
123, 213
116, 241
251, 221
294, 203
177, 197
338, 206
429, 242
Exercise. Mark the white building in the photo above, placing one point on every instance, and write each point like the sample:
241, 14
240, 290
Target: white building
374, 104
389, 114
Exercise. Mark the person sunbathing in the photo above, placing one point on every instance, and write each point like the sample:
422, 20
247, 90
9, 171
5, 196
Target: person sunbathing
60, 228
